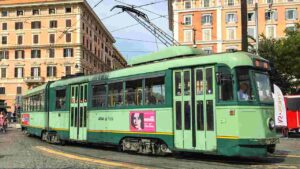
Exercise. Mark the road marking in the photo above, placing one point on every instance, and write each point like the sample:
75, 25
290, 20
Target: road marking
287, 155
91, 160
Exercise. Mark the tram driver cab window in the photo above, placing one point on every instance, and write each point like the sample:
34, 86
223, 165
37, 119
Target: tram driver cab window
244, 88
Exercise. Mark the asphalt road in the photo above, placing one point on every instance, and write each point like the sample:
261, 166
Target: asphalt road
20, 151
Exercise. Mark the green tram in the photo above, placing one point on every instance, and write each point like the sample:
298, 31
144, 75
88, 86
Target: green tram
174, 100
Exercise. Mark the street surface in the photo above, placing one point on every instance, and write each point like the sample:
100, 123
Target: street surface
20, 151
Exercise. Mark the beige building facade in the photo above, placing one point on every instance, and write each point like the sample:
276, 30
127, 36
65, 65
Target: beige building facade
215, 25
44, 40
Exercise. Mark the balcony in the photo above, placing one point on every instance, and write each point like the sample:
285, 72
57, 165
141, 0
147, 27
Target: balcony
34, 79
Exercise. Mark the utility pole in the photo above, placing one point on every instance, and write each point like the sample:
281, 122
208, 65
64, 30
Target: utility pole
256, 23
244, 22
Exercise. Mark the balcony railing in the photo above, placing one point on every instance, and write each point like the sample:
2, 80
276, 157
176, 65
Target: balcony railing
34, 79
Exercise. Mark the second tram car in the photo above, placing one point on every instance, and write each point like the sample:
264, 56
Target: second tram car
177, 99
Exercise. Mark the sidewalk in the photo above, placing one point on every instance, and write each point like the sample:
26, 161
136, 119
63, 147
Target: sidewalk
289, 145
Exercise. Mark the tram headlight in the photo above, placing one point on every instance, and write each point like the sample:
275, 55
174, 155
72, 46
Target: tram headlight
271, 124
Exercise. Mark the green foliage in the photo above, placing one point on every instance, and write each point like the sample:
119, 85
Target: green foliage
284, 57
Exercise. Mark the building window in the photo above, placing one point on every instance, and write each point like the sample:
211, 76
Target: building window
269, 1
4, 54
19, 54
231, 18
19, 90
206, 34
188, 20
250, 2
68, 37
251, 32
207, 50
3, 72
4, 40
206, 19
53, 24
4, 13
68, 23
188, 4
51, 71
231, 33
20, 12
230, 2
68, 10
51, 52
52, 38
35, 39
291, 27
35, 12
35, 53
2, 90
291, 14
251, 16
35, 72
68, 70
36, 25
206, 3
4, 26
271, 15
271, 31
68, 52
52, 11
20, 40
18, 25
19, 72
188, 35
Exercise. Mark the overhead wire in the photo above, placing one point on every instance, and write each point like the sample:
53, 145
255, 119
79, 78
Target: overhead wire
139, 40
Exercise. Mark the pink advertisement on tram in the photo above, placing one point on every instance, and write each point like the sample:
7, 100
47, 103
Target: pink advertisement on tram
143, 121
25, 119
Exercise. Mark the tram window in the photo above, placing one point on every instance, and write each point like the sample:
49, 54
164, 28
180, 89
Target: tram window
210, 115
209, 81
178, 116
60, 100
85, 93
187, 83
244, 90
115, 94
187, 115
155, 91
134, 92
225, 84
178, 83
199, 82
81, 117
99, 96
42, 101
85, 118
200, 115
72, 116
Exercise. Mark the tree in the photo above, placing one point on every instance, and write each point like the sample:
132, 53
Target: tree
284, 57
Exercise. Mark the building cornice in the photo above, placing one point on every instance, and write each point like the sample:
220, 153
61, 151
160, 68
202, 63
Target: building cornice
43, 3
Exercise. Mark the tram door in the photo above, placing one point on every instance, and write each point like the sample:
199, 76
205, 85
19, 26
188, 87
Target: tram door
78, 112
194, 103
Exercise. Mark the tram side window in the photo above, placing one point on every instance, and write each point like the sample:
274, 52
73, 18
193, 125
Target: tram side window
115, 94
99, 96
225, 84
154, 91
60, 101
134, 92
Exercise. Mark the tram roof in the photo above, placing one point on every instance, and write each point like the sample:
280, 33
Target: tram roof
168, 53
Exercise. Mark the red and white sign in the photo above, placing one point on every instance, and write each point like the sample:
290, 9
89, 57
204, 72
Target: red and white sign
279, 105
25, 119
144, 121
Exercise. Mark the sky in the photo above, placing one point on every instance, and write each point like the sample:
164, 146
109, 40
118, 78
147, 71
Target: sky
116, 25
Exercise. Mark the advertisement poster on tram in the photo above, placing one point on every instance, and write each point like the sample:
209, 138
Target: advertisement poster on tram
279, 105
143, 121
25, 119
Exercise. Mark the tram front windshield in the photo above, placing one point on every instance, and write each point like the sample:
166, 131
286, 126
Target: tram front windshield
246, 89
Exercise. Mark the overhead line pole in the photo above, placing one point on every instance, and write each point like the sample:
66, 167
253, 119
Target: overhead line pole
244, 22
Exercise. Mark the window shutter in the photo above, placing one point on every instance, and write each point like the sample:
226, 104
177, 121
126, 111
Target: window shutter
23, 54
32, 72
16, 72
275, 15
16, 54
72, 52
54, 71
286, 15
266, 15
48, 71
227, 18
39, 71
202, 20
210, 19
235, 18
22, 72
64, 52
296, 14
